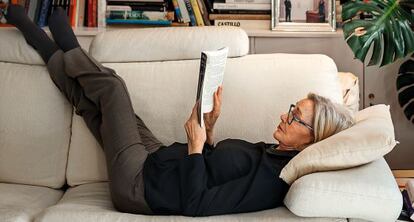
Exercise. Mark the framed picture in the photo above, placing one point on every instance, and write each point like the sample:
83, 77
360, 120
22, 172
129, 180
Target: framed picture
303, 15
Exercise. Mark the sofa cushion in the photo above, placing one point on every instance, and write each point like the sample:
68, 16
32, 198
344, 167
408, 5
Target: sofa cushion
350, 90
167, 43
369, 139
20, 203
256, 90
15, 49
35, 125
366, 192
91, 202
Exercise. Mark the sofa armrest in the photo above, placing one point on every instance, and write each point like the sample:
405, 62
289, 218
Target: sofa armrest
367, 192
350, 90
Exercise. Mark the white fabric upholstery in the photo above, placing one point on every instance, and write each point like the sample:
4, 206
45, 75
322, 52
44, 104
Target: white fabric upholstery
91, 202
172, 43
367, 192
21, 203
370, 138
35, 121
350, 90
256, 90
14, 48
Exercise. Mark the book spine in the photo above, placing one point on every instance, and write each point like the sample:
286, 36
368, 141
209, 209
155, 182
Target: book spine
204, 12
245, 24
146, 15
190, 12
184, 11
232, 11
101, 14
249, 1
138, 21
94, 13
90, 24
177, 11
241, 6
43, 13
239, 16
118, 8
72, 12
197, 13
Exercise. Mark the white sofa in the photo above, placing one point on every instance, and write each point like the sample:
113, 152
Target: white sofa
52, 169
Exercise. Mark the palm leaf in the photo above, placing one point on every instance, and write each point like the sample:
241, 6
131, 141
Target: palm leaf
389, 31
405, 88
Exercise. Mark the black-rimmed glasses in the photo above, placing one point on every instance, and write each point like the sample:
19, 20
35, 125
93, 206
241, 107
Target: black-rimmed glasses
291, 117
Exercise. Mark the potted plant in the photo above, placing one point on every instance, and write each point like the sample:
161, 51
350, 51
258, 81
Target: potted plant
388, 30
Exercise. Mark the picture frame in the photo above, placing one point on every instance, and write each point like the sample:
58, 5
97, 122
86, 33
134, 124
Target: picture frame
303, 15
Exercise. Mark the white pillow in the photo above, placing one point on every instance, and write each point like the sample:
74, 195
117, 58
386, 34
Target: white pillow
369, 139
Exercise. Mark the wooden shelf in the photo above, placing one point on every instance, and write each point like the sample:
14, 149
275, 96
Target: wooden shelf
88, 31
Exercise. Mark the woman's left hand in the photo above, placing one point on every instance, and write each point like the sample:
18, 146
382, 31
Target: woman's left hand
196, 135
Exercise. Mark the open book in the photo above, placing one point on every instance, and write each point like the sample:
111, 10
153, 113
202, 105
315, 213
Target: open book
212, 64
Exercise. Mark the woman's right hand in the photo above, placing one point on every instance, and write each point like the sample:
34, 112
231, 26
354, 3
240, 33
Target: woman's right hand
211, 117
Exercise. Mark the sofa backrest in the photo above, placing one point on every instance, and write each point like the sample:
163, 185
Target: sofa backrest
162, 86
35, 118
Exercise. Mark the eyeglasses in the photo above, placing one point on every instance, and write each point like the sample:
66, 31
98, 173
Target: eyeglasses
291, 117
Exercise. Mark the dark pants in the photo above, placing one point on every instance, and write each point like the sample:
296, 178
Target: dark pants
100, 96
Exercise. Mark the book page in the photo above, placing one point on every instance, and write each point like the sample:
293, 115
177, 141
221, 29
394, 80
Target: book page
211, 79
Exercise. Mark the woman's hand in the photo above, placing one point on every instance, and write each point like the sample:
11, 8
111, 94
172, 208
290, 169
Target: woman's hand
196, 135
211, 117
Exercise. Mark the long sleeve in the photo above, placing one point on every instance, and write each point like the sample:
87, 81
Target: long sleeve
200, 200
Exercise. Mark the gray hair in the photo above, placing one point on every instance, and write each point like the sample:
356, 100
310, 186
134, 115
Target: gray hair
329, 118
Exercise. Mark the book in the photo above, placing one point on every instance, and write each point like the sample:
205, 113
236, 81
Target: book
249, 1
177, 11
80, 13
197, 13
190, 12
101, 14
138, 21
242, 6
146, 15
232, 11
43, 13
212, 66
204, 12
245, 24
184, 11
240, 16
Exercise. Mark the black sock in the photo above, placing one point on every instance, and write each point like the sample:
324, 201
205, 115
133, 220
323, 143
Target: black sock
34, 35
61, 30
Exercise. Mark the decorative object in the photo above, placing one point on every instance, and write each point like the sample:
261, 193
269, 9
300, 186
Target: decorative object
304, 15
390, 32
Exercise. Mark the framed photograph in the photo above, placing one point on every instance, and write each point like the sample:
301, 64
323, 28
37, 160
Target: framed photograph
303, 15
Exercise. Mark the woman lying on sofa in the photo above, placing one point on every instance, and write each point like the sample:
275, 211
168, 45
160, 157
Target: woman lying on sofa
194, 179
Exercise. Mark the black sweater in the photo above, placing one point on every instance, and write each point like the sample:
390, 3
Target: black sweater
234, 176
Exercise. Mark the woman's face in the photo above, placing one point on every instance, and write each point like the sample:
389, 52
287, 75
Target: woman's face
296, 134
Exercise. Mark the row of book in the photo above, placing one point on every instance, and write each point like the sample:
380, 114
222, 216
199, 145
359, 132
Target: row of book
408, 200
85, 13
252, 13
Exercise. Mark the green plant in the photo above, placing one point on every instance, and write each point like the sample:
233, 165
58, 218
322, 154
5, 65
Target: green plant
390, 32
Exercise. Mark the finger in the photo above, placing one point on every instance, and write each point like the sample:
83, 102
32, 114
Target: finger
195, 109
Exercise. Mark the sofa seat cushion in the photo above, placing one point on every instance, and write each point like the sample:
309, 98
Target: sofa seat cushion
19, 203
91, 202
366, 192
